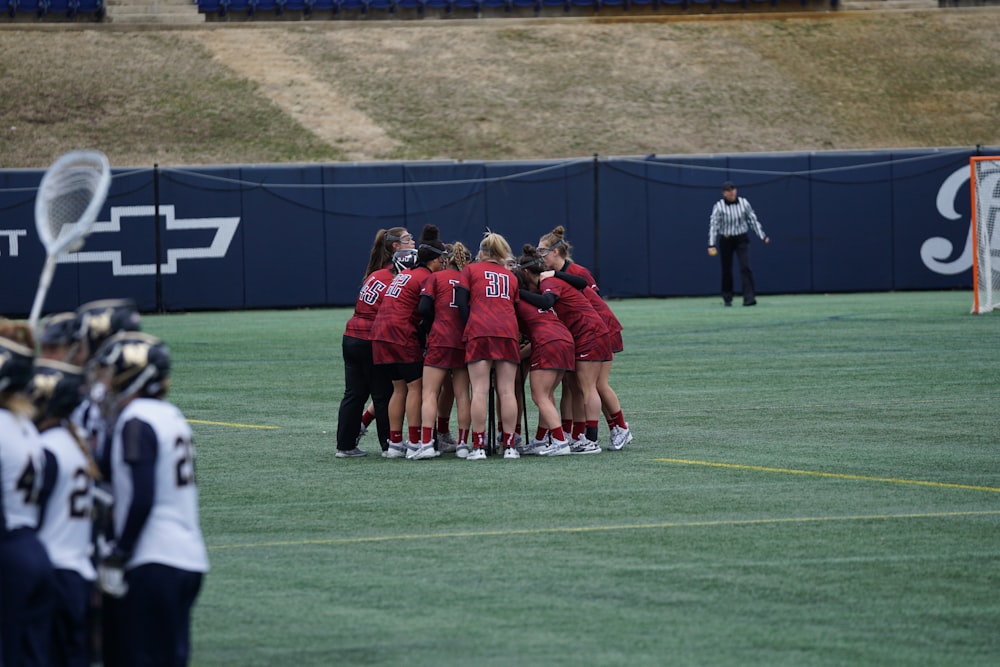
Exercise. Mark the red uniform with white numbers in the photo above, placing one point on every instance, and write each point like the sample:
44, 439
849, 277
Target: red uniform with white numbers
394, 333
367, 305
446, 333
491, 331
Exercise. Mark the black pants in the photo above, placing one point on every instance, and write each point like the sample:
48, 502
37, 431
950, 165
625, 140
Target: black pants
738, 245
362, 379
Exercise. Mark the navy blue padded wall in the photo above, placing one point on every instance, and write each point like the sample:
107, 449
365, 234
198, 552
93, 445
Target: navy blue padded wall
852, 222
207, 238
283, 237
118, 259
526, 200
931, 229
629, 208
357, 207
451, 196
21, 253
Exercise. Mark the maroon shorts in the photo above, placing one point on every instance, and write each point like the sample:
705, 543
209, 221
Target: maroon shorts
497, 349
594, 348
556, 355
617, 344
390, 353
445, 357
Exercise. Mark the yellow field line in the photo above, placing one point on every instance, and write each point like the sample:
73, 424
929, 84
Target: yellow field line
816, 473
595, 529
258, 426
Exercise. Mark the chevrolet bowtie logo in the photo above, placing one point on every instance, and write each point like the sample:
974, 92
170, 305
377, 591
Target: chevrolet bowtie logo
225, 229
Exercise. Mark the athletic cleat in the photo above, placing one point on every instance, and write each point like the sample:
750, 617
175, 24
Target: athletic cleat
462, 451
518, 441
584, 446
425, 451
533, 448
411, 449
556, 448
350, 453
477, 454
396, 451
446, 442
511, 453
619, 438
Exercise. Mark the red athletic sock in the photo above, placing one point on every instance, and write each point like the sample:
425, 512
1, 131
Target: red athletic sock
479, 438
396, 437
414, 433
426, 435
567, 425
617, 419
558, 434
443, 425
367, 418
578, 429
508, 440
540, 433
463, 436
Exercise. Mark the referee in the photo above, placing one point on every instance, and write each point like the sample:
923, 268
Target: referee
729, 234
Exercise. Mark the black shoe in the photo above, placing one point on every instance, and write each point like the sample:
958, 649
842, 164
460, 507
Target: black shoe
727, 304
751, 302
350, 453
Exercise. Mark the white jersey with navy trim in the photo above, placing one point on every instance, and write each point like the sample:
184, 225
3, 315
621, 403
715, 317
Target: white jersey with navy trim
66, 530
171, 534
22, 464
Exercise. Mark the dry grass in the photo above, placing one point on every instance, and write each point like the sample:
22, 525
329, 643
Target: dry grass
501, 89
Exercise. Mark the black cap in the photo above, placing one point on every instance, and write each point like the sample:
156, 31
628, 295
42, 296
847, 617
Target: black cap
728, 185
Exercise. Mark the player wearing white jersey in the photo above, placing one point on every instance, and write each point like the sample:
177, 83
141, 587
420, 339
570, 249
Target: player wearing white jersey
155, 570
66, 529
26, 580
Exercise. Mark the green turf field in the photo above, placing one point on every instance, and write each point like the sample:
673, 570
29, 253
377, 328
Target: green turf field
814, 481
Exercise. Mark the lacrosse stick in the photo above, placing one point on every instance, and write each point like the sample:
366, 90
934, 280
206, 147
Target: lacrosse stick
69, 198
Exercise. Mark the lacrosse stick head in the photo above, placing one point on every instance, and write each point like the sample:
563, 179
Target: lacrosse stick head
69, 198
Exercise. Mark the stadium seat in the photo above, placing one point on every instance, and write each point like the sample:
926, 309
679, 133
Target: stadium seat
532, 4
655, 4
324, 5
352, 5
36, 7
438, 4
565, 4
239, 6
496, 4
269, 6
7, 7
304, 6
388, 6
212, 7
474, 5
412, 4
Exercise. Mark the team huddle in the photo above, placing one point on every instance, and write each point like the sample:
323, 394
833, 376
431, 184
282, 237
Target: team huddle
434, 328
101, 551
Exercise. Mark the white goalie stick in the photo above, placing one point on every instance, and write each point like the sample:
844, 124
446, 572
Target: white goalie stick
69, 198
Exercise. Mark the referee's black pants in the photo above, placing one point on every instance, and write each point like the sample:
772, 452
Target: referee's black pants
362, 378
738, 245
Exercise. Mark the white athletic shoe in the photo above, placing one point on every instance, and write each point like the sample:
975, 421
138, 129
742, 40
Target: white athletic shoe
425, 451
477, 454
584, 446
511, 453
619, 438
411, 449
534, 447
556, 448
396, 451
462, 451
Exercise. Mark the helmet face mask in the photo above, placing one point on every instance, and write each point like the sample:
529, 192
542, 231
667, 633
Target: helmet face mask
128, 364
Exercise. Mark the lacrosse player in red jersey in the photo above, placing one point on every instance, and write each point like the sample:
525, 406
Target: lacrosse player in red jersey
552, 354
491, 342
555, 250
397, 344
444, 362
592, 347
361, 378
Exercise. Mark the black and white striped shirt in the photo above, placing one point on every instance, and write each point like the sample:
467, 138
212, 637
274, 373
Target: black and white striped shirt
732, 219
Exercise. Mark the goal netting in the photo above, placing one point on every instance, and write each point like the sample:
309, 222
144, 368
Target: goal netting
985, 186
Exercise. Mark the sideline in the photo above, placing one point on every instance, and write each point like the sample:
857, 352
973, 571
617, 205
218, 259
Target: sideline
605, 529
256, 426
835, 475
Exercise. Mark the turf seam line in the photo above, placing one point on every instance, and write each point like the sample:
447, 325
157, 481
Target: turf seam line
835, 475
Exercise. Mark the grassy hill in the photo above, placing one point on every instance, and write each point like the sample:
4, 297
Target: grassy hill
312, 91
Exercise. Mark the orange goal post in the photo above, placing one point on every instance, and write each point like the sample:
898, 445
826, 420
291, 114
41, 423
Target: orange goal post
985, 189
